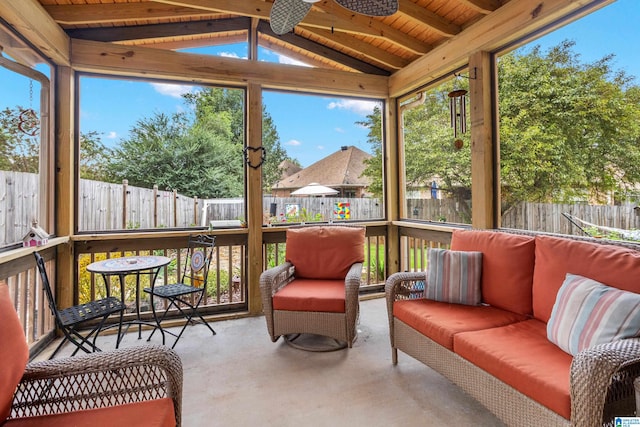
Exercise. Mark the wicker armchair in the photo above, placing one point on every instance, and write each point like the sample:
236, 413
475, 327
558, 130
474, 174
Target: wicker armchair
316, 290
135, 386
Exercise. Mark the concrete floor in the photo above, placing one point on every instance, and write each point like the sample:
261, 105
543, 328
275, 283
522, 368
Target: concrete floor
240, 378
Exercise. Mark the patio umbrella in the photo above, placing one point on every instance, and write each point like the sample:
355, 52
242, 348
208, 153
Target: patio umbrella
314, 189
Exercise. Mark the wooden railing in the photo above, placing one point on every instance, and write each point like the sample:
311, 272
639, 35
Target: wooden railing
415, 244
227, 284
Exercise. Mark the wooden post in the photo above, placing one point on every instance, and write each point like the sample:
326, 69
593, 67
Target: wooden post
484, 162
254, 199
155, 206
125, 190
65, 185
195, 211
393, 191
175, 207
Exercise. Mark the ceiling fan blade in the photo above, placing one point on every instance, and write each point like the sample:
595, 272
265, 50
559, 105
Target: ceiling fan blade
370, 7
286, 14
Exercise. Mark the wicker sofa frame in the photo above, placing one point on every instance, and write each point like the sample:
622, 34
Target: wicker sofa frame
601, 378
99, 380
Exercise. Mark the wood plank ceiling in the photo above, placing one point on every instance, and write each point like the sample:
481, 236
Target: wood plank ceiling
329, 37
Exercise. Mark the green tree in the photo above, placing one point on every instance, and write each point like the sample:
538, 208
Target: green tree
568, 130
373, 169
94, 157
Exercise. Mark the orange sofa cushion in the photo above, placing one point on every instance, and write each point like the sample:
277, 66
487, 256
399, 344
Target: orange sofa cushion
324, 252
555, 257
507, 266
14, 351
521, 356
149, 413
440, 321
311, 295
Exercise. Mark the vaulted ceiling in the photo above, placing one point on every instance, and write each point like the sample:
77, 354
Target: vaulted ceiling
329, 37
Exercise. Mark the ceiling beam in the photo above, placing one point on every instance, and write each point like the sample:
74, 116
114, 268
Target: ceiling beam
339, 19
321, 50
90, 56
428, 18
81, 14
191, 43
482, 6
158, 31
348, 42
335, 11
32, 22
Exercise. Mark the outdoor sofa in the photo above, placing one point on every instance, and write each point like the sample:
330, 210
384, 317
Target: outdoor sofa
501, 351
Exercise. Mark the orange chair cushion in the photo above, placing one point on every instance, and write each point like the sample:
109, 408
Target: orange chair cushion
148, 413
507, 266
440, 321
14, 351
311, 295
324, 252
555, 257
521, 356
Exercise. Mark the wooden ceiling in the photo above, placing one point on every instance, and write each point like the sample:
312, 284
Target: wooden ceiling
329, 37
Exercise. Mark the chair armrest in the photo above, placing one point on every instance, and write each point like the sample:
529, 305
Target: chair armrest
97, 380
602, 382
401, 286
275, 278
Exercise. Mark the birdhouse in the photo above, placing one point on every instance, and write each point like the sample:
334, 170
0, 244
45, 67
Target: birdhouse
35, 237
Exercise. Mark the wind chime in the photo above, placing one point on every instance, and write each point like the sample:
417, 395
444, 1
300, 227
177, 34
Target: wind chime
458, 111
28, 122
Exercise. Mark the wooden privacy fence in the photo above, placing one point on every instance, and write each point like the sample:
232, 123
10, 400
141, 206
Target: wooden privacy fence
104, 206
548, 217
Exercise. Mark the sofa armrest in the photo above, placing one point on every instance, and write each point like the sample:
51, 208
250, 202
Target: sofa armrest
602, 382
399, 286
98, 380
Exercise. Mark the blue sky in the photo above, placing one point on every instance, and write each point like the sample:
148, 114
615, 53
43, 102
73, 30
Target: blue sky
311, 127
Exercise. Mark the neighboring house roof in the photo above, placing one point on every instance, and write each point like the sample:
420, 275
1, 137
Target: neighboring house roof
341, 169
288, 168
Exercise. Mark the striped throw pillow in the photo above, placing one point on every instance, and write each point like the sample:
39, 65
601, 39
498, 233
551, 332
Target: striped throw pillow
454, 276
587, 313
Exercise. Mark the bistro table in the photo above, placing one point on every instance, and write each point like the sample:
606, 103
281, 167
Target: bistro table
130, 265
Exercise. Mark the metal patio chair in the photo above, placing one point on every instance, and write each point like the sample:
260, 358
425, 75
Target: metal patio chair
191, 288
70, 319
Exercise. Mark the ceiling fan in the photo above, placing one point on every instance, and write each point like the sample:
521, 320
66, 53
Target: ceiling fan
286, 14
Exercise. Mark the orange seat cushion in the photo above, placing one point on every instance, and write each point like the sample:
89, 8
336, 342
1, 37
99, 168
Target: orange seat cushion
311, 295
440, 321
555, 257
149, 413
14, 351
324, 252
507, 267
521, 356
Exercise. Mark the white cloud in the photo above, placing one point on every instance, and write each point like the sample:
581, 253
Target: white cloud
229, 54
282, 59
294, 143
173, 90
339, 130
354, 105
112, 135
320, 147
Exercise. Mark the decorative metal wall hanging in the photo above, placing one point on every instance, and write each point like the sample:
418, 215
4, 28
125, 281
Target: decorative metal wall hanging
28, 122
247, 154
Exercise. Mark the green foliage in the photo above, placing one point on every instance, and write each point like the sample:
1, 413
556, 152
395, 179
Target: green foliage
94, 157
373, 168
568, 130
